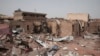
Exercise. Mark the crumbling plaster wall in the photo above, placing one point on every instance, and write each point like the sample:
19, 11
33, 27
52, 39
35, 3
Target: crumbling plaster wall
65, 28
27, 26
52, 25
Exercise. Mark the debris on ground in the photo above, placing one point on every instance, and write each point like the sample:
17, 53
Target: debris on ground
42, 45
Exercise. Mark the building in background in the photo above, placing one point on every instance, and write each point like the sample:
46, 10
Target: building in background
78, 16
24, 15
5, 18
30, 22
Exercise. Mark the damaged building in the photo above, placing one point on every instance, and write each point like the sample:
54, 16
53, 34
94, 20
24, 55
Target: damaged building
62, 27
93, 26
31, 22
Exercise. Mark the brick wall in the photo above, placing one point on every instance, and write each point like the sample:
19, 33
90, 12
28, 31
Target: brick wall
93, 27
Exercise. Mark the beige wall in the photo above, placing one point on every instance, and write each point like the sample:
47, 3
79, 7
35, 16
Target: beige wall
18, 15
23, 24
65, 28
78, 16
53, 26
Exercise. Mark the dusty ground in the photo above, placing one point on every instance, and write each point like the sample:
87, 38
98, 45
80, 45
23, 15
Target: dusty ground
88, 48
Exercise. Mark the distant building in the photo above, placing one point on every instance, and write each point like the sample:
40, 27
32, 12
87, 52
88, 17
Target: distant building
23, 15
5, 18
78, 16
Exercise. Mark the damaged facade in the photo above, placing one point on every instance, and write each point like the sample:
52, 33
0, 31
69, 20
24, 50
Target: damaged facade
61, 27
37, 22
30, 22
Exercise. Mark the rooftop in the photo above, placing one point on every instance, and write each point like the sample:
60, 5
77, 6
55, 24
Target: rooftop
30, 12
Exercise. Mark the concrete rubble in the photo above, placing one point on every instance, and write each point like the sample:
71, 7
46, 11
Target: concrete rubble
88, 35
40, 45
66, 38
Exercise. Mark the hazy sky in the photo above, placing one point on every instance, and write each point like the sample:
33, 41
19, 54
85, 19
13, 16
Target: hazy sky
53, 8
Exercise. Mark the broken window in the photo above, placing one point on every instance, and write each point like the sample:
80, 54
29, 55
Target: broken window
37, 29
27, 27
43, 16
24, 14
73, 27
17, 26
88, 24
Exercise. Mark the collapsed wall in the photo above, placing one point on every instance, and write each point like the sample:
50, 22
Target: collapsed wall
64, 28
52, 25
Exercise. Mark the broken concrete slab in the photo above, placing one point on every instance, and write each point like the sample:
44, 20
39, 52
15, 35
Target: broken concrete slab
88, 35
66, 38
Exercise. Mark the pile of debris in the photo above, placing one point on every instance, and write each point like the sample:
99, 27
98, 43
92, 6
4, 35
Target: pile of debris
6, 44
23, 44
88, 35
